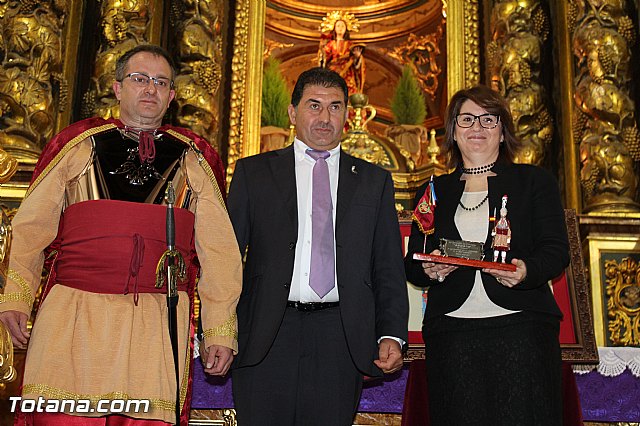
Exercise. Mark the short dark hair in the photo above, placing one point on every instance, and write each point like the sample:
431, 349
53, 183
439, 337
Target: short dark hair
123, 60
493, 103
318, 76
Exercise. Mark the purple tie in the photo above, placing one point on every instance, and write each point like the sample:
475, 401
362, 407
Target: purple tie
321, 276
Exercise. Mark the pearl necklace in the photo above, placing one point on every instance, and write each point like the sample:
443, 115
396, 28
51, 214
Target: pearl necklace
478, 170
470, 209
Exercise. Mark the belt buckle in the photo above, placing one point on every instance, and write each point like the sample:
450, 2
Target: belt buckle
306, 307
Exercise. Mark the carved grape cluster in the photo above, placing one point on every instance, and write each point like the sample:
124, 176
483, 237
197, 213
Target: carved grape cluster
589, 182
540, 24
493, 54
525, 74
208, 75
176, 13
626, 30
606, 60
572, 16
631, 139
27, 7
88, 104
579, 123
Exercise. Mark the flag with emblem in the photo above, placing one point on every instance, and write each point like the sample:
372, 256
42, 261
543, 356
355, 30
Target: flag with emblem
424, 212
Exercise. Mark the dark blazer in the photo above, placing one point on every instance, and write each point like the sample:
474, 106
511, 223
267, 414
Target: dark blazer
538, 237
370, 272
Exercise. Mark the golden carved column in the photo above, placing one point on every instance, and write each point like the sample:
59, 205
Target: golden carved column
571, 165
246, 81
463, 44
603, 123
123, 25
605, 117
520, 31
198, 27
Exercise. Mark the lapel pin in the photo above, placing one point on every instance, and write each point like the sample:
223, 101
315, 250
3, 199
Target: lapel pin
353, 170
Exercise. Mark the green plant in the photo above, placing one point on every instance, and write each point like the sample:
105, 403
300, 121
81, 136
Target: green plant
275, 96
408, 105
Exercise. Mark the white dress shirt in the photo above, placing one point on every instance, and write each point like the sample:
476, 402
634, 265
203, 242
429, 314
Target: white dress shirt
300, 289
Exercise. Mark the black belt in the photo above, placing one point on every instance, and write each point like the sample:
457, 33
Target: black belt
311, 306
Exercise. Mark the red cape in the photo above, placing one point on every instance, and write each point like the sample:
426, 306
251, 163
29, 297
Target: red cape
55, 145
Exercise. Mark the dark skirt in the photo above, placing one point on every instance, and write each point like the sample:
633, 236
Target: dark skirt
494, 371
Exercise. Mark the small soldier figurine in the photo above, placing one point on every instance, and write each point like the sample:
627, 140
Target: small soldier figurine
501, 234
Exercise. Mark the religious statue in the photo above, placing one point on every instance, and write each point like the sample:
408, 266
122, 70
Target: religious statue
501, 234
339, 53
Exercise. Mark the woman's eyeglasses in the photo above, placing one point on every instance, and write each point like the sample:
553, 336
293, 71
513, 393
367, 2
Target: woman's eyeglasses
487, 121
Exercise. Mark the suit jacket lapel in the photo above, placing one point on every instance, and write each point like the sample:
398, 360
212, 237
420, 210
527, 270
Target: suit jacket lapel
347, 185
284, 174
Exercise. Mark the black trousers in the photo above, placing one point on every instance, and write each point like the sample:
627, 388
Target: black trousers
307, 378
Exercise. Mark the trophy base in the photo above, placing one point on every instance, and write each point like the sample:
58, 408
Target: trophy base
480, 264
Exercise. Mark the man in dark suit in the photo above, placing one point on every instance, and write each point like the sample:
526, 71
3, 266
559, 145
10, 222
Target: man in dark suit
303, 350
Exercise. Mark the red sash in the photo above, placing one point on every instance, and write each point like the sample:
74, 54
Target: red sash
113, 247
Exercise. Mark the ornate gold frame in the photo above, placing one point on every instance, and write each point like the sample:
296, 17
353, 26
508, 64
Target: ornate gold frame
585, 349
228, 418
597, 245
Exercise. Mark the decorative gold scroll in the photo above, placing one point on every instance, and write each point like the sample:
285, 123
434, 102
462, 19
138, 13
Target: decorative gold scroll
623, 301
421, 54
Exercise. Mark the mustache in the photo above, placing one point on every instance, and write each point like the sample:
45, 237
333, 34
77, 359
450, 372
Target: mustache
324, 126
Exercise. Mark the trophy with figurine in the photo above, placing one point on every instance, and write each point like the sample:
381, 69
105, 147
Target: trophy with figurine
460, 252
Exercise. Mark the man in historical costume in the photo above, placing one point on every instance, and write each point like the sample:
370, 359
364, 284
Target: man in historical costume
95, 213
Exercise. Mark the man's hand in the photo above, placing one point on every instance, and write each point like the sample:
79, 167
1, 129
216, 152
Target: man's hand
389, 356
16, 323
217, 360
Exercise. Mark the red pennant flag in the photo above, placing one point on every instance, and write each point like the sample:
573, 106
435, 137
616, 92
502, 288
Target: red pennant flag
424, 212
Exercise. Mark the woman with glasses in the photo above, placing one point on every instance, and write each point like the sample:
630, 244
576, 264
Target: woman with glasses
491, 336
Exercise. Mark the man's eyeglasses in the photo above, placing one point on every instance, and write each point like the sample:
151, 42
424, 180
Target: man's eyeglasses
142, 80
487, 121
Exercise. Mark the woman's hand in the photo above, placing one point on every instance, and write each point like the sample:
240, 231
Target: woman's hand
437, 271
508, 278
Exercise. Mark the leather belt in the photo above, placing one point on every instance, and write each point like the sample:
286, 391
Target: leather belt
311, 306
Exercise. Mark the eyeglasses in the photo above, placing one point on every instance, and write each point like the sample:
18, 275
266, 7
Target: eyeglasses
142, 80
487, 121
